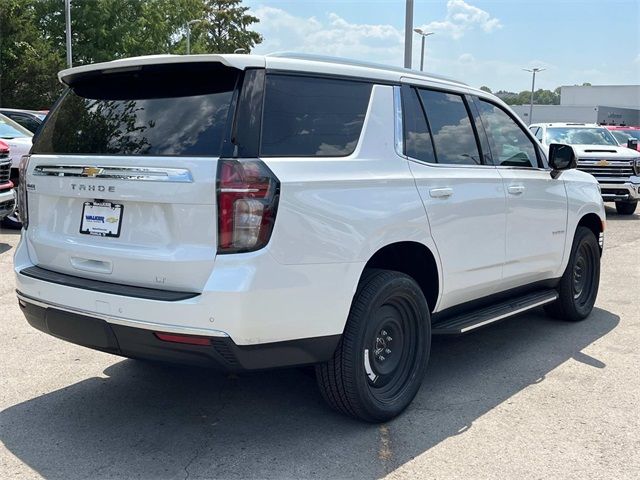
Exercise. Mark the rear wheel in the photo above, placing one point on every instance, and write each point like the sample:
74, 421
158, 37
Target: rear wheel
381, 359
578, 286
626, 208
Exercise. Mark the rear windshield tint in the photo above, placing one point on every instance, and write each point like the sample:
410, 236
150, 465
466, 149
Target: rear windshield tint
312, 117
160, 110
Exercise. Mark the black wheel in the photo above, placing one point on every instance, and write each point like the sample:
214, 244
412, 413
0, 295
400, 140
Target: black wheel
578, 286
12, 221
381, 359
626, 208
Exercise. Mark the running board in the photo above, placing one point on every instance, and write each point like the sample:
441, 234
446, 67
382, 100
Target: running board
479, 318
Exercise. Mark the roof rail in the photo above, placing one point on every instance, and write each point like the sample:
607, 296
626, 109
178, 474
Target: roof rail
359, 63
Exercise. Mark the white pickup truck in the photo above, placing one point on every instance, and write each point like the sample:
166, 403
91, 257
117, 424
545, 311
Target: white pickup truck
616, 167
251, 212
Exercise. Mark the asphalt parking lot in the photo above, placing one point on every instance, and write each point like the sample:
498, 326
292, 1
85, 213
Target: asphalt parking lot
528, 398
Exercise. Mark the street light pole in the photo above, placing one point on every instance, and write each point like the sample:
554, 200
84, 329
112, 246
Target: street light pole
67, 19
189, 23
533, 86
408, 38
424, 35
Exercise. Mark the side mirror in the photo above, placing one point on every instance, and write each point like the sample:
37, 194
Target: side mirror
632, 143
561, 157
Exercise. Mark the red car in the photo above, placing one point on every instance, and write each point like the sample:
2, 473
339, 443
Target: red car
623, 134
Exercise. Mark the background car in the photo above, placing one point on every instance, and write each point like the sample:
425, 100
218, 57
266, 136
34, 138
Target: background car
17, 137
623, 133
617, 168
19, 140
7, 192
29, 119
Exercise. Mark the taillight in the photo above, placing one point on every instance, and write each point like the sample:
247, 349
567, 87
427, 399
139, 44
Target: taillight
247, 202
23, 206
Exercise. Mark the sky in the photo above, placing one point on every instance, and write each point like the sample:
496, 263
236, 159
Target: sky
480, 42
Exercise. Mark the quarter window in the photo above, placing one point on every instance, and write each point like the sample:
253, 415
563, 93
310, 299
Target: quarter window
510, 145
453, 135
312, 117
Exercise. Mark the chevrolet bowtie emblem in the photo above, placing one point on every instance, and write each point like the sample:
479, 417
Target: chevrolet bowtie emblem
91, 171
603, 163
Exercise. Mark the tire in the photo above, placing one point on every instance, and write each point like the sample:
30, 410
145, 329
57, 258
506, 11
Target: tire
12, 222
626, 208
578, 286
382, 357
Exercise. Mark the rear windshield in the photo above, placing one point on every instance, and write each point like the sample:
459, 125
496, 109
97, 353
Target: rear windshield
157, 110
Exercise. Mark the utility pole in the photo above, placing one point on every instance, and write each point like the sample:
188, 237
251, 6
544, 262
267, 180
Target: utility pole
67, 20
533, 86
408, 37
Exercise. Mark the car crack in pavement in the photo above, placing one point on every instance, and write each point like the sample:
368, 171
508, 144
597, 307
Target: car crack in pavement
186, 467
385, 452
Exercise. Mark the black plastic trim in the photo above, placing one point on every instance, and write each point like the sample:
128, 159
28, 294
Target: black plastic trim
223, 354
484, 302
247, 121
105, 287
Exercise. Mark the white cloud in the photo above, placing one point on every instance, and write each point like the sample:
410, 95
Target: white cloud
462, 17
637, 60
332, 35
466, 58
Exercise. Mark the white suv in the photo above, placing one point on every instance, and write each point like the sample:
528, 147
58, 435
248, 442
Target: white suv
251, 212
617, 168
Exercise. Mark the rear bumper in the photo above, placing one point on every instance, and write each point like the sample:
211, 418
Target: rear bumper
220, 353
7, 203
250, 298
628, 191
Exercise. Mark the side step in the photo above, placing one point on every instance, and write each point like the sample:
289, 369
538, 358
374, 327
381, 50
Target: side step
493, 313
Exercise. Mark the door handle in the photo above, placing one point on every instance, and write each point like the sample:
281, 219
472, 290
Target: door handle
443, 192
515, 189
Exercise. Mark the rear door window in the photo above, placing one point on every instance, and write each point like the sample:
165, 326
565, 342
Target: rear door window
453, 135
312, 117
157, 110
417, 138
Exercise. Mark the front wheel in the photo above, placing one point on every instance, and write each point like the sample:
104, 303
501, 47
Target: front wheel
382, 357
578, 286
626, 208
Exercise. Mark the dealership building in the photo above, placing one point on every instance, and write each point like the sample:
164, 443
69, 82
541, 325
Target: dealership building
603, 104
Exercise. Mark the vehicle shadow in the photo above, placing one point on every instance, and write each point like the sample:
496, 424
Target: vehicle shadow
5, 247
154, 421
9, 231
613, 215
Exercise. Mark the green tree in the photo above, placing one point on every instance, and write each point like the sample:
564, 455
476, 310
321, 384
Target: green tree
225, 28
105, 30
486, 89
28, 61
33, 48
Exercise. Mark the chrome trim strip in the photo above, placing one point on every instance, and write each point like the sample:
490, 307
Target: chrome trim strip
145, 174
124, 321
398, 127
550, 299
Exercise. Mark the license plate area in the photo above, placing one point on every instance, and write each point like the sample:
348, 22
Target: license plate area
103, 219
